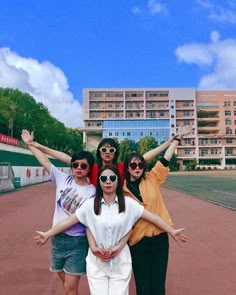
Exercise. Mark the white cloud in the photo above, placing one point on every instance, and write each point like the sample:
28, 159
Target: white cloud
205, 3
223, 15
136, 10
155, 6
152, 7
194, 53
216, 61
218, 13
215, 36
43, 81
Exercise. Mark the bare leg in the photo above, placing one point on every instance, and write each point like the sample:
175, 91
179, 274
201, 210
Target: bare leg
62, 277
71, 284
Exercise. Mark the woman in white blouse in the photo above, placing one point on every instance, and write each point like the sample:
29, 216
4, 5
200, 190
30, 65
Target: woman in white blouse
109, 216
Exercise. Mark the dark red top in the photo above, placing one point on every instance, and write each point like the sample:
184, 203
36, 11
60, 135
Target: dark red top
94, 173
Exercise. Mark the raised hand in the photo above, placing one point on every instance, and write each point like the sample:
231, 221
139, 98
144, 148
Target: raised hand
184, 131
27, 137
41, 238
178, 236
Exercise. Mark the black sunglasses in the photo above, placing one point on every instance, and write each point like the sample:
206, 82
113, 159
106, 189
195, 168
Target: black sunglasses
134, 165
104, 178
82, 166
107, 150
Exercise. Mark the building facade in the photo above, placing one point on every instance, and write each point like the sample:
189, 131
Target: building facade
136, 113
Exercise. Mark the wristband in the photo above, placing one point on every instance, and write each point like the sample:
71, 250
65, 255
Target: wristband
176, 138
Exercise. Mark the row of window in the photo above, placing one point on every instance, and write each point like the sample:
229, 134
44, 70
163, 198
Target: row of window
135, 115
136, 124
228, 103
209, 152
104, 94
207, 141
229, 122
151, 105
130, 115
94, 124
128, 94
215, 152
128, 134
160, 136
157, 94
228, 113
229, 131
128, 105
209, 105
214, 140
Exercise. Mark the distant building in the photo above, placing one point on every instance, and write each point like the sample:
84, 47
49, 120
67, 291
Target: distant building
136, 113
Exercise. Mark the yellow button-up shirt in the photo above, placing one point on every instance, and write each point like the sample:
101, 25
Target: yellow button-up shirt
152, 201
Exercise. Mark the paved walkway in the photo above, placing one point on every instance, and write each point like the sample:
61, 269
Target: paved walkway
206, 265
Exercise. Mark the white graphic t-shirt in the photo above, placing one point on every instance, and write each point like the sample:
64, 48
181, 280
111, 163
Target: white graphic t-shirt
69, 197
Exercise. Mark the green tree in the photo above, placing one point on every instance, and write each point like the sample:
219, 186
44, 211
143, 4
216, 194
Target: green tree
20, 111
191, 165
126, 146
146, 144
4, 115
174, 165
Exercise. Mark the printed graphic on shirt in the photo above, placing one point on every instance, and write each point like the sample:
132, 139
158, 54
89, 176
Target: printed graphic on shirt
69, 200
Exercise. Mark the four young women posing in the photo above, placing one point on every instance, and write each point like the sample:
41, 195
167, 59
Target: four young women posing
148, 242
109, 216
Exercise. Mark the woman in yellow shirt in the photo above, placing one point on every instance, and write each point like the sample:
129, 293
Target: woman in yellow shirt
149, 244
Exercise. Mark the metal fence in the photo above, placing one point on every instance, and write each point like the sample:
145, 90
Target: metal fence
6, 177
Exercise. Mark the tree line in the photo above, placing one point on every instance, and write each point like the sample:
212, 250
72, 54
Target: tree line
19, 111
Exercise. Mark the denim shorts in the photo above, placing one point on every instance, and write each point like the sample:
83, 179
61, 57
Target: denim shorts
68, 254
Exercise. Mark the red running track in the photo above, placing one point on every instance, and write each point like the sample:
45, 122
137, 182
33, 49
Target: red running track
205, 265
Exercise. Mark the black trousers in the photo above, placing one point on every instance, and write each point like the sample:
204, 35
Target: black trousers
150, 260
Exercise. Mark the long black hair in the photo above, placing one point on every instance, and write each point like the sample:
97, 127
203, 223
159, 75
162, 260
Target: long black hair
112, 143
99, 192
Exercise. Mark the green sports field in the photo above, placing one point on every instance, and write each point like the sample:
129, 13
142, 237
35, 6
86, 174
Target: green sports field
216, 186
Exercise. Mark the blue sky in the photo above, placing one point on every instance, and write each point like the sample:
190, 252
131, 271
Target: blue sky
54, 49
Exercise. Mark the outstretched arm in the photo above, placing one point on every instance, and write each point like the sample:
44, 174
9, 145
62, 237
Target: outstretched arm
40, 156
148, 156
176, 234
176, 140
62, 225
29, 139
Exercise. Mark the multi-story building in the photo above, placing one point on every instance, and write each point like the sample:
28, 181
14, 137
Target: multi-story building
136, 113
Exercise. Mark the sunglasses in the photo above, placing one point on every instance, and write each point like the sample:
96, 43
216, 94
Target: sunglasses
82, 166
104, 178
134, 165
107, 150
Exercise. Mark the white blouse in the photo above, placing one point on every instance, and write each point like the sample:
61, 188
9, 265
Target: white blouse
109, 226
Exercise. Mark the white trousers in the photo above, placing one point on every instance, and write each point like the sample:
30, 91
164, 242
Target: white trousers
109, 278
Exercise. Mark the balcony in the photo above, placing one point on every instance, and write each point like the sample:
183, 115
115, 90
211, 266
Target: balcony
157, 107
208, 128
209, 156
230, 155
208, 119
